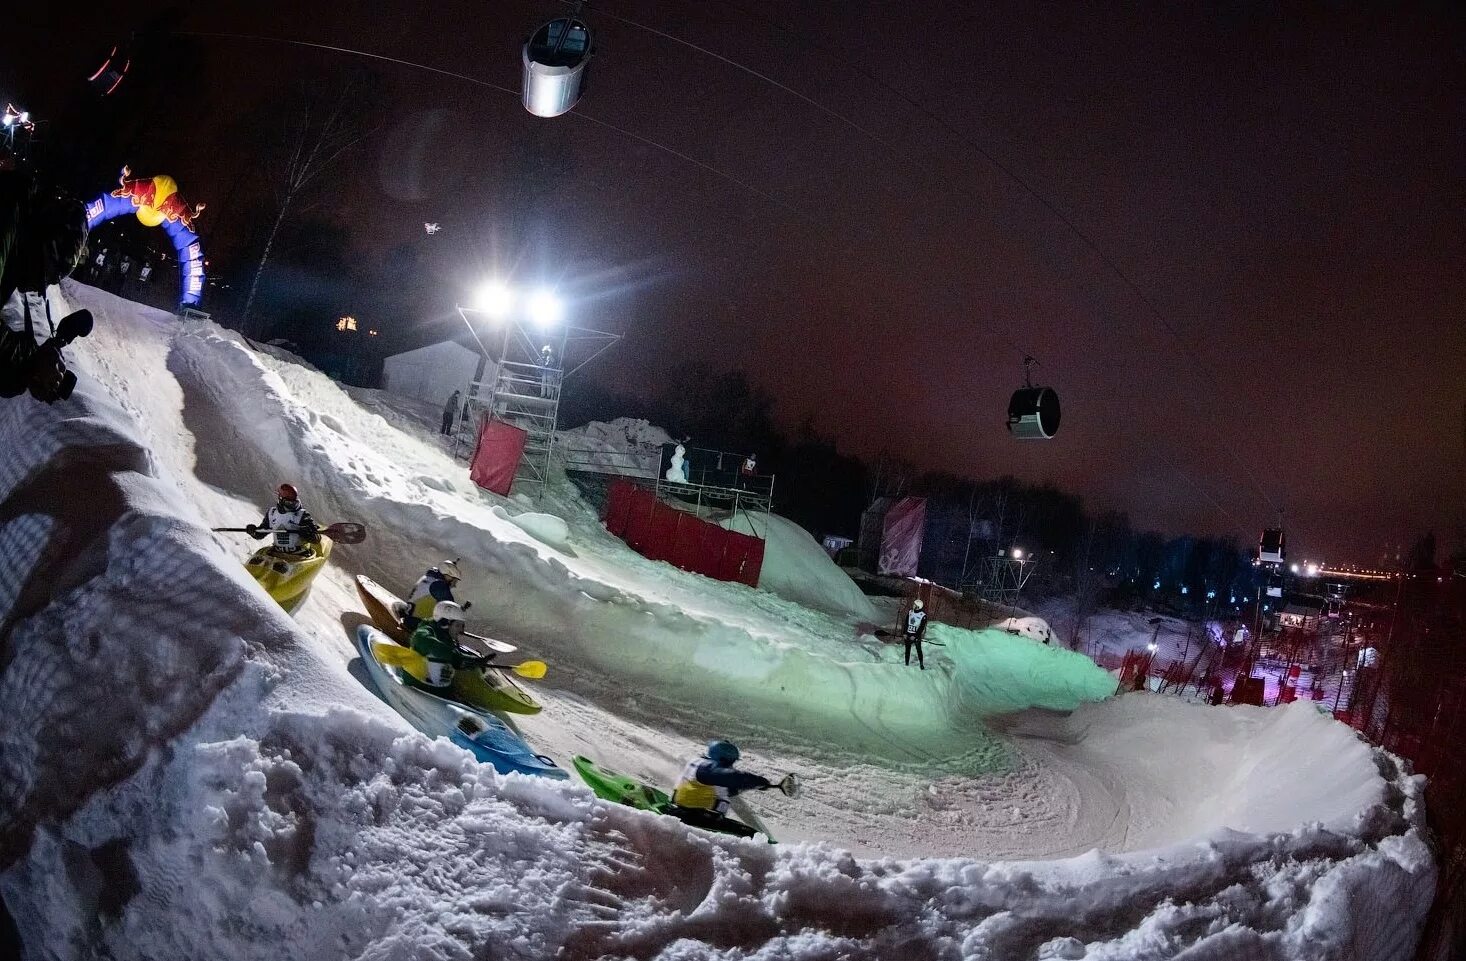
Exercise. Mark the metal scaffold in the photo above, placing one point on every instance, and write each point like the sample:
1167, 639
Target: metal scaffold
521, 383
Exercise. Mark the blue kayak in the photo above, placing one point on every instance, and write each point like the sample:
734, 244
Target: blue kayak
483, 734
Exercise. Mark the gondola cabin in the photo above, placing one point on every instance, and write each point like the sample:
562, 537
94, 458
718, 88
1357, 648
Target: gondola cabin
1272, 546
555, 59
1033, 413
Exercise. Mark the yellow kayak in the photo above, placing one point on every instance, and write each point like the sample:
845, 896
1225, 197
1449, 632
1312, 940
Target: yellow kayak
286, 577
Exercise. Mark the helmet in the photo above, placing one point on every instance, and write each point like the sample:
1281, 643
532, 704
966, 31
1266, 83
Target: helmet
449, 569
918, 604
287, 492
449, 611
724, 752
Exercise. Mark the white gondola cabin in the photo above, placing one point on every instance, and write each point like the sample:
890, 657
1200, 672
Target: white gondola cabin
555, 59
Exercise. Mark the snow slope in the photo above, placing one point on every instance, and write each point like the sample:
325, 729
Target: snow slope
187, 772
797, 568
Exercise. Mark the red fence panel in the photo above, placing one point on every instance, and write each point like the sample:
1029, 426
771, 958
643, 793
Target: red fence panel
663, 533
496, 457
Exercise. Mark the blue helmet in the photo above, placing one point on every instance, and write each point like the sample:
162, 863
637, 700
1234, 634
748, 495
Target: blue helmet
724, 752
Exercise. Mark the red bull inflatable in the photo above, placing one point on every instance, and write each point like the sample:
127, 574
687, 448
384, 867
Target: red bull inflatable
157, 202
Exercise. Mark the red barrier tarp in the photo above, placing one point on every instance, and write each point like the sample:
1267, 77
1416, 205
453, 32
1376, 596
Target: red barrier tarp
664, 533
496, 458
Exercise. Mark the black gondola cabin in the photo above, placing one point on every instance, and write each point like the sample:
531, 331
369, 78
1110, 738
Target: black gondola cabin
1033, 413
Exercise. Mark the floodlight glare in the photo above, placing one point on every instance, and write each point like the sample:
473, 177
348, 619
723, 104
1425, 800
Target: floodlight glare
546, 309
1017, 554
494, 299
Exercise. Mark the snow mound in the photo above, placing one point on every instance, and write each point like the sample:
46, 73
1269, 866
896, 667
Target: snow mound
797, 568
1033, 628
545, 528
621, 434
187, 772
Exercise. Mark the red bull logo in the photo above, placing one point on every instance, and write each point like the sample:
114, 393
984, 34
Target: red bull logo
157, 199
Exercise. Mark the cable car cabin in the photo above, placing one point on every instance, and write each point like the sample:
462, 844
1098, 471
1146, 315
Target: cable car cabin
555, 58
1033, 413
1272, 546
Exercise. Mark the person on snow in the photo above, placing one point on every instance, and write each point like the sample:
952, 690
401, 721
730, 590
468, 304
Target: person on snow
43, 237
290, 523
915, 631
437, 641
431, 589
450, 412
709, 782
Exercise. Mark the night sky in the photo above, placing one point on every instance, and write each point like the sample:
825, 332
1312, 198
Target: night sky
1286, 188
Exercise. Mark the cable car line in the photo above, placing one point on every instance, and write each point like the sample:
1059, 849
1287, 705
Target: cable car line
1109, 262
828, 111
514, 93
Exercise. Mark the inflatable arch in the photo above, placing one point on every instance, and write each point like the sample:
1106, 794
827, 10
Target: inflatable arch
157, 203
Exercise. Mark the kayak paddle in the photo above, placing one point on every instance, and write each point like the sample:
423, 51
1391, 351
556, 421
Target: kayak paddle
343, 533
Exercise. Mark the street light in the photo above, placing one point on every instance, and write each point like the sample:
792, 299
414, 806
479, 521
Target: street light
1017, 554
546, 309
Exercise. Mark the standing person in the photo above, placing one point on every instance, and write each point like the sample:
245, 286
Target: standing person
549, 373
99, 265
916, 631
748, 471
145, 273
289, 522
450, 411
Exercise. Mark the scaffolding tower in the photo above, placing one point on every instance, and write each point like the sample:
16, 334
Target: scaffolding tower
521, 379
999, 580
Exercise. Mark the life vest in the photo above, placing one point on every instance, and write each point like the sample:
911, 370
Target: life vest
692, 793
286, 526
420, 600
914, 620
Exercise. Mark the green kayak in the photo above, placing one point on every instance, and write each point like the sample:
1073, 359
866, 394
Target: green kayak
610, 786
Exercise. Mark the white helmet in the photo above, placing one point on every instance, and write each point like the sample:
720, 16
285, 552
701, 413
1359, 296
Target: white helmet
449, 611
450, 570
918, 604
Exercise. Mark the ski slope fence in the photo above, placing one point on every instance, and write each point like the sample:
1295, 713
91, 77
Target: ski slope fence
664, 533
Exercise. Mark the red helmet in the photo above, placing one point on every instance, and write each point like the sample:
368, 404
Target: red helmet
287, 492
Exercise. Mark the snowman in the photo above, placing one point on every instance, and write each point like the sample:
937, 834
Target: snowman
677, 470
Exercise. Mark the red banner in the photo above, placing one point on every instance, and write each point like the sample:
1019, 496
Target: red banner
901, 537
496, 458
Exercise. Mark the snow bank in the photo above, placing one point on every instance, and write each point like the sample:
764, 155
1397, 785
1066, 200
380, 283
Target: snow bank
1033, 628
186, 772
797, 568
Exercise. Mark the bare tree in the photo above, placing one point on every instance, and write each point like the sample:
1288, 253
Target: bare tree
890, 476
313, 139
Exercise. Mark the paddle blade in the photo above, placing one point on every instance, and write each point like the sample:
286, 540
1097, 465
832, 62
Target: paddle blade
790, 786
346, 533
395, 655
530, 669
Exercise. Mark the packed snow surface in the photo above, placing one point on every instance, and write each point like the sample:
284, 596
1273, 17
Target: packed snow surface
186, 771
797, 568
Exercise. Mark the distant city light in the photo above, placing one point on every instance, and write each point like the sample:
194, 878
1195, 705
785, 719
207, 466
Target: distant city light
1151, 647
1293, 568
1312, 570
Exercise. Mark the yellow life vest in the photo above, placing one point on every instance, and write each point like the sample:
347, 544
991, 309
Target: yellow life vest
692, 793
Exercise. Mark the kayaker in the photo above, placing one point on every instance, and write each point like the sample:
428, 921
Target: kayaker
437, 640
431, 589
291, 524
710, 781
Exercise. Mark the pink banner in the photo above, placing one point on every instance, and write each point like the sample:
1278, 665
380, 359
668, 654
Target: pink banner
901, 536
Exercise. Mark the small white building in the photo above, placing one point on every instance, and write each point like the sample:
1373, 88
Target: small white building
432, 373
